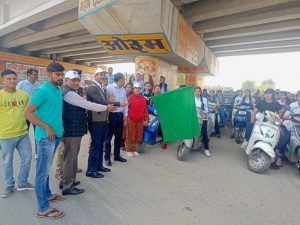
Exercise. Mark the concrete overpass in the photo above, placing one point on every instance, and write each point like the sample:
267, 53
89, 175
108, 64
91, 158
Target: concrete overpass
194, 32
242, 27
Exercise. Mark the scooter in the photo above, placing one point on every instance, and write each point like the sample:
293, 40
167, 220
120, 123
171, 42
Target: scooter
241, 118
150, 131
264, 139
213, 114
292, 152
195, 143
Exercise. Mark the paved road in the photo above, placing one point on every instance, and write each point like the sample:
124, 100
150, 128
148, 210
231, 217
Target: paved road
156, 189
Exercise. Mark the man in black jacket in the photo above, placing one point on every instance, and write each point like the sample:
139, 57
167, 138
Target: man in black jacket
75, 124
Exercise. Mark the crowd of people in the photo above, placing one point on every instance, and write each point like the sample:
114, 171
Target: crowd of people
283, 103
61, 112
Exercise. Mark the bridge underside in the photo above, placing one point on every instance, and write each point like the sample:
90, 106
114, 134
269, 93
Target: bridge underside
243, 27
51, 29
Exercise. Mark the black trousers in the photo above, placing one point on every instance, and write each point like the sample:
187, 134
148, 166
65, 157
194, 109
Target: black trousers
249, 129
217, 125
205, 134
115, 128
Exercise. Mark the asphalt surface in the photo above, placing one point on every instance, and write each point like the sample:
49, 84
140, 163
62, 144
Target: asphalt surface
157, 189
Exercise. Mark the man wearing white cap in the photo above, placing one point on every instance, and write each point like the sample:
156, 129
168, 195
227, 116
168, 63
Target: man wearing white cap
75, 126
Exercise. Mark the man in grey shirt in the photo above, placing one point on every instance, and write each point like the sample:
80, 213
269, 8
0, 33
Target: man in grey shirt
29, 86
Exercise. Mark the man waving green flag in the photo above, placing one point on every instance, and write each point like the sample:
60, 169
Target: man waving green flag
177, 114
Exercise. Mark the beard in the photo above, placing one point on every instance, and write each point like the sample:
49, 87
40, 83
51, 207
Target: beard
59, 82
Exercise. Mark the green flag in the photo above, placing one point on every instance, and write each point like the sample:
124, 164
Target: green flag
177, 114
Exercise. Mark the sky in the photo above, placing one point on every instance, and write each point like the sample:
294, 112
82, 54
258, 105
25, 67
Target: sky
283, 69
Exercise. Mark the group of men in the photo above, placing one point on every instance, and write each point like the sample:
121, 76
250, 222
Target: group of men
60, 117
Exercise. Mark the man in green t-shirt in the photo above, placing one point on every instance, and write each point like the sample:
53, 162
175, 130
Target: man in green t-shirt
14, 133
45, 111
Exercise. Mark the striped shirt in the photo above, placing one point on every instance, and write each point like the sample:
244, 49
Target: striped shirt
120, 96
28, 87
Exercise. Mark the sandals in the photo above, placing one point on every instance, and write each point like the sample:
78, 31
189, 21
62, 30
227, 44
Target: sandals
51, 214
56, 197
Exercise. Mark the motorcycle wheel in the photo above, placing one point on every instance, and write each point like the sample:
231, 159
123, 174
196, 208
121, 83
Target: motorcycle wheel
141, 147
237, 137
258, 161
182, 152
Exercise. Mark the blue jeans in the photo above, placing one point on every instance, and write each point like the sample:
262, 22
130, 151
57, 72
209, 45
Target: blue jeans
223, 115
23, 146
46, 150
284, 140
98, 133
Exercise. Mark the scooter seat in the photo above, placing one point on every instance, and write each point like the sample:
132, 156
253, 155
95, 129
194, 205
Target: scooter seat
297, 131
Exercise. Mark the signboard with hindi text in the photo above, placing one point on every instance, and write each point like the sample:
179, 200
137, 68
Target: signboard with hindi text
135, 44
89, 6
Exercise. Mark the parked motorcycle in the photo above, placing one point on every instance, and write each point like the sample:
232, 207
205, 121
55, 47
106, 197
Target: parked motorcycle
264, 139
150, 132
292, 152
241, 118
228, 105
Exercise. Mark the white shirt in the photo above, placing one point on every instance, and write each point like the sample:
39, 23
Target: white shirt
120, 96
28, 87
199, 103
247, 100
75, 99
281, 102
295, 109
140, 82
238, 100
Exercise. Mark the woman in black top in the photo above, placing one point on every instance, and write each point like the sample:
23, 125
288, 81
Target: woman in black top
269, 103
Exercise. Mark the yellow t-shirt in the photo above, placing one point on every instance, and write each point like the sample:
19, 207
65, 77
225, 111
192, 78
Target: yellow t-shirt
12, 121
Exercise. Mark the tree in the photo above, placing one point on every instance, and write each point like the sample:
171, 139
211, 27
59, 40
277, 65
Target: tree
267, 84
249, 84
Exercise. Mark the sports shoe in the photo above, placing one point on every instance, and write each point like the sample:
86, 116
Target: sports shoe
136, 154
129, 154
35, 156
28, 187
245, 144
7, 192
207, 153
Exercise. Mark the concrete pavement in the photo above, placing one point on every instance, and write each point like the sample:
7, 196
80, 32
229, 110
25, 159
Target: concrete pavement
157, 189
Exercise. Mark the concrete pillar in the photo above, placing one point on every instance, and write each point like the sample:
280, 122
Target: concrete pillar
4, 13
145, 27
193, 75
154, 67
175, 75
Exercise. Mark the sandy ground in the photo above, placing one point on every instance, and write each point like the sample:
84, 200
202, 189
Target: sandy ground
157, 189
